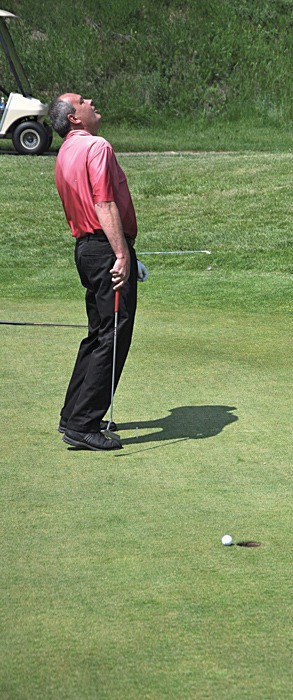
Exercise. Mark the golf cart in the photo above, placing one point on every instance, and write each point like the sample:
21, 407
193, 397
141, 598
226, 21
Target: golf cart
21, 115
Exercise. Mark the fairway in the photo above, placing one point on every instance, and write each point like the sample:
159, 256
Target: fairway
114, 581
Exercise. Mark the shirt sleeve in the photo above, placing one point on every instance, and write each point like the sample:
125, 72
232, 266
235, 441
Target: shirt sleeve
101, 172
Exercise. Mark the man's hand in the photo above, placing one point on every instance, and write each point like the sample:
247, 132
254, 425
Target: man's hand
120, 272
110, 221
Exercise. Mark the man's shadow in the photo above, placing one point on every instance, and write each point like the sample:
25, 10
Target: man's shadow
184, 422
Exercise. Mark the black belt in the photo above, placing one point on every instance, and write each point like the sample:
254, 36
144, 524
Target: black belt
101, 236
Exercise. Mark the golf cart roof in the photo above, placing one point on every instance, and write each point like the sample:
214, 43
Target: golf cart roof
4, 13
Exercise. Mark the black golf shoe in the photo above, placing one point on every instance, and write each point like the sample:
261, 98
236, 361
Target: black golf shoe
91, 441
103, 425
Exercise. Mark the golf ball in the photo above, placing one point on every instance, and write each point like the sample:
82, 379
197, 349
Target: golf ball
227, 539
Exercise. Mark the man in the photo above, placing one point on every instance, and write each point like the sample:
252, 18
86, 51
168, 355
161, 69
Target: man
99, 210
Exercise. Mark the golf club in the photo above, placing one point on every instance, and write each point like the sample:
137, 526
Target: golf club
172, 252
51, 325
107, 432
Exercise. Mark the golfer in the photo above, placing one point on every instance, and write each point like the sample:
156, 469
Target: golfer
99, 210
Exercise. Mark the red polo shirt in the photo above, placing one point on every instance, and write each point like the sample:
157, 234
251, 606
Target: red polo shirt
87, 172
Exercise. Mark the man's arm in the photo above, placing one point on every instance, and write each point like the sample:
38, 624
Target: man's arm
109, 218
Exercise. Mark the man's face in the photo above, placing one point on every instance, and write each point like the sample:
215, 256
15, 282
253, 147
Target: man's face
85, 115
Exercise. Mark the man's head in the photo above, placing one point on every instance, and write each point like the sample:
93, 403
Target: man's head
71, 111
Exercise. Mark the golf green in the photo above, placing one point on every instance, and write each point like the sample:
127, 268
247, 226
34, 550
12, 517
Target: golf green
115, 583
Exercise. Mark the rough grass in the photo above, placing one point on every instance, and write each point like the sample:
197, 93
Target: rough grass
142, 61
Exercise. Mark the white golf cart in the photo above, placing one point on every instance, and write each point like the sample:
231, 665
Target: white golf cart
21, 115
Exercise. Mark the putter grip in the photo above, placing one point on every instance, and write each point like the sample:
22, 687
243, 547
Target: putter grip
117, 299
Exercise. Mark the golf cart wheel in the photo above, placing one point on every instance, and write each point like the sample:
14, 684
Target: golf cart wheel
30, 138
49, 135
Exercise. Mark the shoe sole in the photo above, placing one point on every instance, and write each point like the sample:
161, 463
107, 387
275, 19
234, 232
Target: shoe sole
84, 446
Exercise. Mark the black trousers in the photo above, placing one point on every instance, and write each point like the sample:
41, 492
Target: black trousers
88, 395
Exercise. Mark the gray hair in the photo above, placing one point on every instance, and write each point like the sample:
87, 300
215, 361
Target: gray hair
58, 113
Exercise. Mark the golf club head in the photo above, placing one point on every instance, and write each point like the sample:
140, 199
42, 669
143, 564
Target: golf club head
110, 435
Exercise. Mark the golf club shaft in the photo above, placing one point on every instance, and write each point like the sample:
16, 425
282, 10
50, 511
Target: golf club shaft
33, 323
116, 309
172, 252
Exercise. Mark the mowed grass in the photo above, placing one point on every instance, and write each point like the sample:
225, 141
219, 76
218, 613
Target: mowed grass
115, 583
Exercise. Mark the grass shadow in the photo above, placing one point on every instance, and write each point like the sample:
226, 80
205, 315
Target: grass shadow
193, 422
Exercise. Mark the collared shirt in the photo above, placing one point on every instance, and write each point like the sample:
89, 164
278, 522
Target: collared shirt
87, 172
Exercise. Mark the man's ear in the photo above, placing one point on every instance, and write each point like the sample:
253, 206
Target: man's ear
73, 119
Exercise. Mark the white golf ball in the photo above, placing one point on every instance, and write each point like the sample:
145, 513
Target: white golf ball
227, 539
